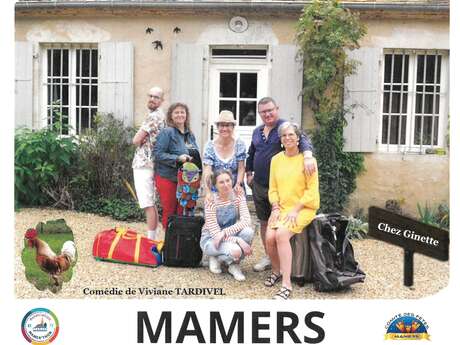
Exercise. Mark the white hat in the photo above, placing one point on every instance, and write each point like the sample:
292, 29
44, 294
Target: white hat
226, 116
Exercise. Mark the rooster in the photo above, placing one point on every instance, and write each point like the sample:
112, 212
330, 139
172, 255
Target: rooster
47, 260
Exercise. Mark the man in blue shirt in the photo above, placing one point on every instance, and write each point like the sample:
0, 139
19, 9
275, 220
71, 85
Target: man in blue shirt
264, 145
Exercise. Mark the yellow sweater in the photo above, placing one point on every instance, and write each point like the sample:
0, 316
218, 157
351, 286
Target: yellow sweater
289, 185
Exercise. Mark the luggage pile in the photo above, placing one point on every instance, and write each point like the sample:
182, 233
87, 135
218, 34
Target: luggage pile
333, 263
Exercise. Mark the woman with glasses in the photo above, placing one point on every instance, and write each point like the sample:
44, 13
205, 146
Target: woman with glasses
224, 152
294, 199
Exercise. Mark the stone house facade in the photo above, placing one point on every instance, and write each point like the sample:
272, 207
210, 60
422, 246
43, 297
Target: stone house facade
83, 57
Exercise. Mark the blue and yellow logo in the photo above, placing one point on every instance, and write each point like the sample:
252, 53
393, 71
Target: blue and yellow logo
407, 326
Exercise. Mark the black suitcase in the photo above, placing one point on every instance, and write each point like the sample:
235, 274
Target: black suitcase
333, 262
182, 241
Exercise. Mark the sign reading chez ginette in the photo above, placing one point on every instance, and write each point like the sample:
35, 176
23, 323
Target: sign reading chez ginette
408, 233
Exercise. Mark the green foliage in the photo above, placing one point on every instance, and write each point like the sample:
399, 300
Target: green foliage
357, 228
116, 208
43, 163
106, 155
337, 169
437, 216
34, 274
324, 32
89, 172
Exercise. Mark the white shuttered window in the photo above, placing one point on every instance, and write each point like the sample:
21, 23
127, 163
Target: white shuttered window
70, 86
414, 100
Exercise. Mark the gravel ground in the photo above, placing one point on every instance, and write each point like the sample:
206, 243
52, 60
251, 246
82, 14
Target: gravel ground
383, 264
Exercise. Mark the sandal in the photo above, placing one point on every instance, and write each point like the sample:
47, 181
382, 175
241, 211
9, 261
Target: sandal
283, 294
272, 279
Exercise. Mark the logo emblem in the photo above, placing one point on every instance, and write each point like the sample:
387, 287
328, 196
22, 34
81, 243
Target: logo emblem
407, 326
40, 326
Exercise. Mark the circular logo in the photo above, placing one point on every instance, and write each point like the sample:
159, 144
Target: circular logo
407, 326
40, 326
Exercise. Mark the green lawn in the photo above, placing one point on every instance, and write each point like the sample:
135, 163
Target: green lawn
34, 274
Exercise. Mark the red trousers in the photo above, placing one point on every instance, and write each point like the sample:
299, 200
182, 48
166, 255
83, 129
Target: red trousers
167, 192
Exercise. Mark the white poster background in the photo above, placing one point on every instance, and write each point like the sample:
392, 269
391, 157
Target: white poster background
114, 322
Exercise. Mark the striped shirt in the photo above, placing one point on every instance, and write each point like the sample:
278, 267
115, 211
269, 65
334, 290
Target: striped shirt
211, 225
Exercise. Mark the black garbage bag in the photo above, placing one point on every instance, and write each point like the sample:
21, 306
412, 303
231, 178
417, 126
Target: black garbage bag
333, 261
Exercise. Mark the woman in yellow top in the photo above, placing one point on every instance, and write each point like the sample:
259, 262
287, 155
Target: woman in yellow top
294, 196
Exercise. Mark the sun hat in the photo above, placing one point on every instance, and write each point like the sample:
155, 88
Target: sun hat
226, 116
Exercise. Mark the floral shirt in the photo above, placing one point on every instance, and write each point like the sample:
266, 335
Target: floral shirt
143, 157
211, 158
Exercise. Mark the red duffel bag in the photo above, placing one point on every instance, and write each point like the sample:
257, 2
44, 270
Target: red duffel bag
127, 246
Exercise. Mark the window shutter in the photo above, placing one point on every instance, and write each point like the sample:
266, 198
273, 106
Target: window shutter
187, 81
115, 88
23, 84
362, 99
286, 81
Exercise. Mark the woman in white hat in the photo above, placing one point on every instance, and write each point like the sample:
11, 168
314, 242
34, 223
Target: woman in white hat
224, 152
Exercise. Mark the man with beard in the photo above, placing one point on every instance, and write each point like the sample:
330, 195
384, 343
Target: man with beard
145, 139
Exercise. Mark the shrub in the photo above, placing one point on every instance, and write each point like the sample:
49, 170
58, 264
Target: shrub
324, 32
437, 216
357, 228
337, 169
116, 208
105, 157
43, 163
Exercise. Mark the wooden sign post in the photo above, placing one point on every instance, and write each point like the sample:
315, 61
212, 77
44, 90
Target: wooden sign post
410, 234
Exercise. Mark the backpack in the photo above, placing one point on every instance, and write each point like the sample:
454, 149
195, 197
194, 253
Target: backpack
334, 265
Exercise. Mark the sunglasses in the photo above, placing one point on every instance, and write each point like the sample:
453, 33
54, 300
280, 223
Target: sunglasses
225, 124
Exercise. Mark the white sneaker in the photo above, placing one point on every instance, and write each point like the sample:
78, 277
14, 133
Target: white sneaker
235, 271
214, 265
263, 265
204, 261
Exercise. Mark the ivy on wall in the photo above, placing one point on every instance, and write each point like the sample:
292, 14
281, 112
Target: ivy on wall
325, 31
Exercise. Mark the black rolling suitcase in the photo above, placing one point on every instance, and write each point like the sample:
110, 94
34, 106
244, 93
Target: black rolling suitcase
182, 241
333, 263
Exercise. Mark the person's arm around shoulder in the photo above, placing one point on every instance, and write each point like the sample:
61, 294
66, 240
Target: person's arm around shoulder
306, 148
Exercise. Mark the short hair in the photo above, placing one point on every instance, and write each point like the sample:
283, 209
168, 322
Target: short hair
172, 107
265, 100
285, 125
219, 172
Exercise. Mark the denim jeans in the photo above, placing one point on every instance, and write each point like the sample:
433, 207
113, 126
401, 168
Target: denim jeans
224, 251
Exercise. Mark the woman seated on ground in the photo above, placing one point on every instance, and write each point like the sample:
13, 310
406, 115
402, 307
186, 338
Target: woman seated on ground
175, 145
224, 152
294, 196
227, 233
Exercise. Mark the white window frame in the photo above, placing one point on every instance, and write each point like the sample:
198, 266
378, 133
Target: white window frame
410, 147
72, 81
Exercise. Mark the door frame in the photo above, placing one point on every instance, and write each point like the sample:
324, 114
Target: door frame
234, 65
